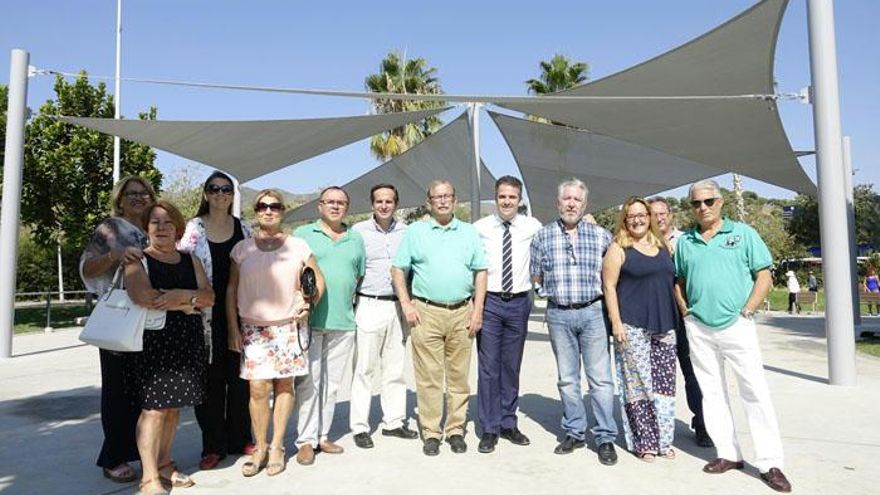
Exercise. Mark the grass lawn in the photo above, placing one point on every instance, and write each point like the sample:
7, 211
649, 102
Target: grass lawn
870, 346
33, 319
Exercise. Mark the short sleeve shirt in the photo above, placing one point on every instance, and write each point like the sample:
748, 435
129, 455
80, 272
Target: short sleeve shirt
342, 264
720, 274
443, 259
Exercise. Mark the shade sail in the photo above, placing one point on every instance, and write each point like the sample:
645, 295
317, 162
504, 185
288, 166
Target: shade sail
739, 135
612, 169
446, 154
250, 149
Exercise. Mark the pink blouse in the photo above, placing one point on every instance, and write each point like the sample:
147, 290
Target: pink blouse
268, 281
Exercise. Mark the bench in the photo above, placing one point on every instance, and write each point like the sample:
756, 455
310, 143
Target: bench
806, 298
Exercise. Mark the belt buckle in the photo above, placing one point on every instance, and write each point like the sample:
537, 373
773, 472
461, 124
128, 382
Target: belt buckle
506, 296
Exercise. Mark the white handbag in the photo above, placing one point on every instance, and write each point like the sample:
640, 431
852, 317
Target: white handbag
155, 319
116, 323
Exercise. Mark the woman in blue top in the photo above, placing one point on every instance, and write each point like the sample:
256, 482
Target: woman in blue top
872, 284
638, 277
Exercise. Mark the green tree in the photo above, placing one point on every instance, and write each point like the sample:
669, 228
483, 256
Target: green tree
557, 74
398, 75
184, 189
804, 224
68, 172
4, 101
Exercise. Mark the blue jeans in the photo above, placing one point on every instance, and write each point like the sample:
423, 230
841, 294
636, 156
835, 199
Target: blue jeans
575, 335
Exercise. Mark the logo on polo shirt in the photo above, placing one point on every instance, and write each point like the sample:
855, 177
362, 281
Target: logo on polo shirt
732, 242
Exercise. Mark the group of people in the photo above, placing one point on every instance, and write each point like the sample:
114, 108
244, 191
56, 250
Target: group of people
242, 326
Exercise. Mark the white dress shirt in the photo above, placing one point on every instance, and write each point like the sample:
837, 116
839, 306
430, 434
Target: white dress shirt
522, 229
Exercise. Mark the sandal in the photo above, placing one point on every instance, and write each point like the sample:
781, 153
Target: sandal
154, 491
252, 467
122, 473
176, 479
647, 456
669, 455
276, 468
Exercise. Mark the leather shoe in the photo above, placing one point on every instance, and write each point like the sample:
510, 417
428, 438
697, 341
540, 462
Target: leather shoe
456, 442
776, 480
487, 443
249, 448
607, 454
306, 455
720, 465
703, 439
363, 440
514, 436
210, 461
431, 447
401, 432
568, 445
330, 448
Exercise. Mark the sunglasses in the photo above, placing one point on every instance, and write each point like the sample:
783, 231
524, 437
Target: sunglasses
276, 207
709, 202
215, 189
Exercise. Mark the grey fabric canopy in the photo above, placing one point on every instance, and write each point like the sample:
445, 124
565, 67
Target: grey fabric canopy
740, 135
250, 149
612, 169
447, 154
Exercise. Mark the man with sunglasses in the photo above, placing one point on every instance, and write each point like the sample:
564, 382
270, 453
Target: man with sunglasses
445, 311
566, 259
381, 344
723, 271
339, 252
665, 222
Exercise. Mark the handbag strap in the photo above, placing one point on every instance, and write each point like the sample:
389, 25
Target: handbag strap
118, 278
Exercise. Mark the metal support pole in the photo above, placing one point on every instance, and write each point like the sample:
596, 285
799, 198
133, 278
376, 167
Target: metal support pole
13, 164
60, 274
117, 97
236, 197
851, 225
48, 328
832, 198
476, 175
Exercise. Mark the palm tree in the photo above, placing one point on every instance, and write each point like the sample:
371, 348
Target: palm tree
398, 75
558, 74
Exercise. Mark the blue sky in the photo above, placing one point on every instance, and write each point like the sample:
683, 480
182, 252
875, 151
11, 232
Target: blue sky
478, 48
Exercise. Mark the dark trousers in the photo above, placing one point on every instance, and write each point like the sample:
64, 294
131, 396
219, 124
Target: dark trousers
500, 346
119, 413
691, 387
224, 416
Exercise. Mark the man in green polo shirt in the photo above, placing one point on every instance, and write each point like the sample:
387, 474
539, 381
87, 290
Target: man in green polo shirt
444, 312
723, 276
340, 254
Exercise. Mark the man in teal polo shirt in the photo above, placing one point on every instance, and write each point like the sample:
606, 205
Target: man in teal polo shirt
444, 312
339, 252
723, 276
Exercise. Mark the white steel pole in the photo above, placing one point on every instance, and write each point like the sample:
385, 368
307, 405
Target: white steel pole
13, 164
117, 97
851, 225
60, 274
832, 198
236, 198
476, 175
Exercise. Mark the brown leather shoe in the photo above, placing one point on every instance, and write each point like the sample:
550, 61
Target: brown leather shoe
776, 480
306, 455
720, 465
330, 448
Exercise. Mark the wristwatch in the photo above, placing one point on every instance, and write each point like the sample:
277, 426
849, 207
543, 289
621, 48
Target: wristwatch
747, 314
193, 300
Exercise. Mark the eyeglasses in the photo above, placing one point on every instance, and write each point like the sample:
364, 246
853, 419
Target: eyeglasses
334, 202
137, 194
215, 189
442, 197
709, 202
276, 207
637, 216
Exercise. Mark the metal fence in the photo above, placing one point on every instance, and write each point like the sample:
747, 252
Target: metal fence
47, 299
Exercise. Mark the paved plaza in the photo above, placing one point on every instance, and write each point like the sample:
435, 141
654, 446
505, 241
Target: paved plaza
51, 431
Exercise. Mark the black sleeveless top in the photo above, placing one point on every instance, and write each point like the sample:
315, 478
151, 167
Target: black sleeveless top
219, 280
645, 291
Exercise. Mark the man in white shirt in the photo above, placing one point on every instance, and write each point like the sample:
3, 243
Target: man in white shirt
506, 237
380, 340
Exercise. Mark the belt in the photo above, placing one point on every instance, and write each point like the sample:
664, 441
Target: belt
392, 297
454, 305
507, 296
576, 305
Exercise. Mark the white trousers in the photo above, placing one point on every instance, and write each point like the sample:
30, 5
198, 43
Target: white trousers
380, 350
329, 355
736, 345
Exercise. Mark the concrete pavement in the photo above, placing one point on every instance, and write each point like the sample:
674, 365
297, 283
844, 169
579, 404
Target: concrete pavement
51, 431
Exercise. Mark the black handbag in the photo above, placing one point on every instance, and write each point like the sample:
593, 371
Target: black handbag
308, 283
